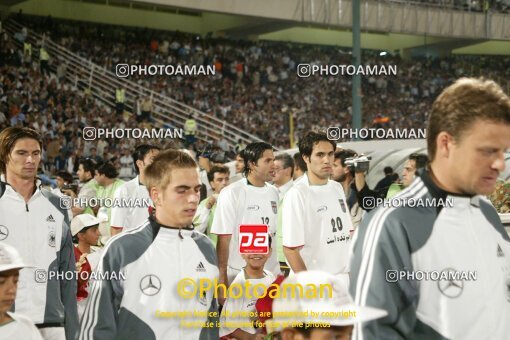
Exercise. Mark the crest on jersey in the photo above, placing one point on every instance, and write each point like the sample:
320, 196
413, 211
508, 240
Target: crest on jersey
4, 232
51, 238
342, 205
274, 206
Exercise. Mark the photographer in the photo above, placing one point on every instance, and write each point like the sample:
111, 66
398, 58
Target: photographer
359, 166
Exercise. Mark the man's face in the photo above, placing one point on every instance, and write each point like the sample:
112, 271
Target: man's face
321, 160
82, 175
90, 236
100, 178
239, 164
332, 333
24, 159
476, 161
8, 288
179, 201
408, 173
60, 182
264, 168
282, 175
339, 171
220, 181
147, 159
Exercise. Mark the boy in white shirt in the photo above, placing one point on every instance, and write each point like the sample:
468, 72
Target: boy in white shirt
235, 315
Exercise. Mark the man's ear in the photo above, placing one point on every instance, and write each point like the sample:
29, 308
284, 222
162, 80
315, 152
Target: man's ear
139, 164
155, 195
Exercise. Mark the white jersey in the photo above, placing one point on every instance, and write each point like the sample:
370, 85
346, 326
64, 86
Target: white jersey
130, 217
243, 203
19, 328
316, 217
236, 311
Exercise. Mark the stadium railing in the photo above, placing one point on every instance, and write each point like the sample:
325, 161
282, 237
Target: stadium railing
83, 74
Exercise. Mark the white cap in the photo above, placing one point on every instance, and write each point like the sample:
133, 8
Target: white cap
335, 309
10, 258
83, 221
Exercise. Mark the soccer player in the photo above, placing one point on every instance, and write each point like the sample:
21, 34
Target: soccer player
12, 325
252, 200
125, 218
218, 177
315, 218
32, 220
154, 258
460, 235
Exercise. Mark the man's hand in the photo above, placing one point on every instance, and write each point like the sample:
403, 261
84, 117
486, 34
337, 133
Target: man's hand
211, 201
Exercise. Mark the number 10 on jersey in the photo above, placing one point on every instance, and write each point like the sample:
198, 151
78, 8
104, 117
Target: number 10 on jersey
253, 239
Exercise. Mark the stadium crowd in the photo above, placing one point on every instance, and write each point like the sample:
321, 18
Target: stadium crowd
256, 86
188, 205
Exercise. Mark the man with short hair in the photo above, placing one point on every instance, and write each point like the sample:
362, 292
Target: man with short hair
284, 172
86, 172
251, 200
460, 237
32, 220
153, 259
106, 177
383, 185
415, 162
218, 177
125, 218
316, 222
344, 174
299, 166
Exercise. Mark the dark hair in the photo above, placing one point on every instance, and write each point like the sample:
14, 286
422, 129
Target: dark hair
9, 137
252, 153
222, 169
66, 176
299, 162
287, 161
88, 166
140, 152
310, 139
82, 231
344, 154
421, 160
107, 169
388, 170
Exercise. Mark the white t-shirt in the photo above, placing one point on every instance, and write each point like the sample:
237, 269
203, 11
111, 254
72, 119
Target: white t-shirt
130, 217
20, 328
240, 203
236, 311
317, 218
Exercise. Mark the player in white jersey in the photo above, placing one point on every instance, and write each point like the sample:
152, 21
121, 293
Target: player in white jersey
315, 218
249, 201
125, 218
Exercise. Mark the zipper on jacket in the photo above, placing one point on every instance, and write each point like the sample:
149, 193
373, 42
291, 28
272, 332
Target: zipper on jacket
26, 205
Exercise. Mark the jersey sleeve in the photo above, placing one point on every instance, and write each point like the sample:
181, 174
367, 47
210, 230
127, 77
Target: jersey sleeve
100, 319
69, 288
380, 251
293, 219
224, 222
119, 215
201, 218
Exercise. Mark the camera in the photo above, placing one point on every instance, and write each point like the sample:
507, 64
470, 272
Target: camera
358, 163
72, 187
